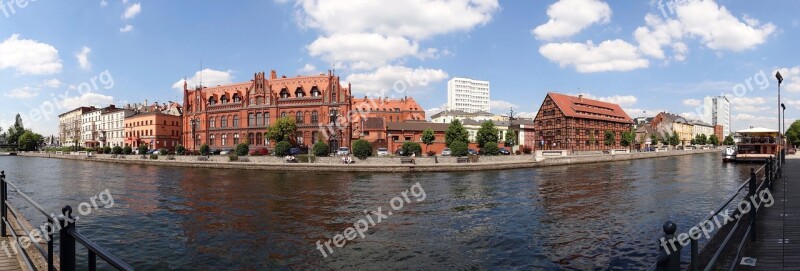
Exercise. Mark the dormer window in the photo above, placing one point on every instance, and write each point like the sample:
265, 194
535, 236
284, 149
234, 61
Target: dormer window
299, 92
315, 92
224, 99
212, 100
284, 93
237, 98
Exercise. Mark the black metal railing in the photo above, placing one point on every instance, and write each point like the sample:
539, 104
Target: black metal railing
67, 234
760, 179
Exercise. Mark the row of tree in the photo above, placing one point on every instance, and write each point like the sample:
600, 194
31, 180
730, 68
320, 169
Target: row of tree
23, 139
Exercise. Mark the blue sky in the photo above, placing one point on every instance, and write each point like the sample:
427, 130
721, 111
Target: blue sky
646, 55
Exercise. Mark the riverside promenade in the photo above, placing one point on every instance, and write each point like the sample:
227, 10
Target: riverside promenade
778, 243
372, 164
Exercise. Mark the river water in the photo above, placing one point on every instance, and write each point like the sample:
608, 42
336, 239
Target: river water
582, 217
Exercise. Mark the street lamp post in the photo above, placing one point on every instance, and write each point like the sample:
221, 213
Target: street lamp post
785, 142
780, 128
193, 122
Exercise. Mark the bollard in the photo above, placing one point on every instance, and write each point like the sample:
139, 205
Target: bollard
66, 242
750, 194
670, 257
3, 203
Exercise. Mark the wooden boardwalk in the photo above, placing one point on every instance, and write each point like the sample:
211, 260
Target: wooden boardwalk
778, 237
8, 261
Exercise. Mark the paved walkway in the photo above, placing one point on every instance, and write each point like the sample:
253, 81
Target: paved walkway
778, 240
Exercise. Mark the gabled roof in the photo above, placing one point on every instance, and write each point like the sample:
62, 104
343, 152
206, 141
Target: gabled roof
758, 130
374, 124
416, 126
581, 107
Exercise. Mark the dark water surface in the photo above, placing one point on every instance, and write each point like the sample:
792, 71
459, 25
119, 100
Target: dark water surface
600, 216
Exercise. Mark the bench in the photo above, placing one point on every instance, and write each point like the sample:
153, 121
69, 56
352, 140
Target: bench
407, 160
462, 160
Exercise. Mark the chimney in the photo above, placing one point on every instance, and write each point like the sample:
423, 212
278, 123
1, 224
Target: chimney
580, 98
273, 75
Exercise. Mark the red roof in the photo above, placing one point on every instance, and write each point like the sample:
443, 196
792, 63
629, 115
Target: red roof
581, 107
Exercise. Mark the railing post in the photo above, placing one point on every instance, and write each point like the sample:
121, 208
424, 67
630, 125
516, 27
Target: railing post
769, 172
3, 204
695, 260
750, 193
66, 242
670, 257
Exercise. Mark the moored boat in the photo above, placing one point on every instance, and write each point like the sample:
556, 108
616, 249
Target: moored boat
729, 154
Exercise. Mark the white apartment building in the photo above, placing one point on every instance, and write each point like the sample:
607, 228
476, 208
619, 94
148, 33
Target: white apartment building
467, 95
70, 126
701, 128
112, 127
717, 111
89, 128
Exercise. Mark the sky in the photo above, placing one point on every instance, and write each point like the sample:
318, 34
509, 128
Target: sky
648, 56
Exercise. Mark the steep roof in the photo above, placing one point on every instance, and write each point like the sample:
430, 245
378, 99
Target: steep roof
416, 126
581, 107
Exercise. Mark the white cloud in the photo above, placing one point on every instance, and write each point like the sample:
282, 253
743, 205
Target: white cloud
29, 56
362, 50
132, 11
791, 79
126, 28
87, 99
689, 116
307, 69
568, 17
749, 105
83, 58
621, 100
658, 33
103, 3
431, 111
610, 55
691, 102
501, 107
52, 83
209, 77
22, 93
388, 81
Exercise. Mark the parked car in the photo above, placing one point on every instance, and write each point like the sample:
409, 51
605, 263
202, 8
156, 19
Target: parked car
225, 152
472, 152
343, 151
649, 149
791, 151
383, 152
295, 151
446, 152
505, 151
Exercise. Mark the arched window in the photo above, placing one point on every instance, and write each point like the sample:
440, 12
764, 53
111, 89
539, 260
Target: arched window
211, 123
212, 100
333, 98
266, 139
314, 117
235, 121
257, 120
224, 99
266, 119
251, 139
284, 93
224, 139
299, 92
299, 117
235, 139
237, 98
315, 92
251, 120
211, 140
224, 122
260, 100
252, 101
283, 114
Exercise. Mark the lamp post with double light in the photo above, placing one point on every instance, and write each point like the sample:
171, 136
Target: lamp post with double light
780, 128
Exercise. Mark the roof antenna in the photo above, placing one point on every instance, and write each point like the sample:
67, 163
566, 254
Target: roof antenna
201, 73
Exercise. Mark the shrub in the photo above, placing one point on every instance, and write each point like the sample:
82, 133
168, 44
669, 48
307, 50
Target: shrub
458, 148
362, 149
107, 150
517, 152
154, 157
242, 149
163, 151
259, 152
320, 149
305, 158
233, 157
490, 148
411, 147
205, 150
127, 150
142, 149
527, 149
282, 148
116, 150
431, 153
99, 150
180, 149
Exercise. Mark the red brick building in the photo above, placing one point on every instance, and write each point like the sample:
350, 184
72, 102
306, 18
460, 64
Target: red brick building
155, 129
578, 124
389, 110
223, 116
718, 131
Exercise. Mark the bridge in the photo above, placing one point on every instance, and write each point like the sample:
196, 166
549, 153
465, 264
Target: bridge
26, 247
763, 236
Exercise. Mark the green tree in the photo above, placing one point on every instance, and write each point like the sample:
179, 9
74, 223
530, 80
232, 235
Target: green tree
283, 148
362, 149
610, 137
205, 150
127, 149
180, 149
428, 137
487, 133
728, 141
456, 132
283, 129
320, 149
713, 140
458, 148
674, 140
653, 139
490, 148
107, 149
116, 150
15, 131
628, 138
411, 147
242, 149
793, 133
511, 138
142, 149
29, 141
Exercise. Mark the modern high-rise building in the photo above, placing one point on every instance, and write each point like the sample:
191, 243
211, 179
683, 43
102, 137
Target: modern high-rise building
717, 111
467, 95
